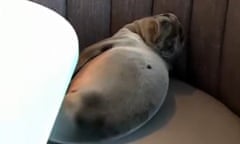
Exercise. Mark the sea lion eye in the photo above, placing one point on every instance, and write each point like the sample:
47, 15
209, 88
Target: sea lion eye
168, 46
165, 23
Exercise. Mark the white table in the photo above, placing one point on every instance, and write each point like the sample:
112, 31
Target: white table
38, 53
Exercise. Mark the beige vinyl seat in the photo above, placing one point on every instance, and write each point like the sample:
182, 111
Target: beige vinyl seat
190, 116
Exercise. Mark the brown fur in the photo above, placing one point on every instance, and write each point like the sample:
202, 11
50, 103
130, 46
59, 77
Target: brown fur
151, 29
102, 91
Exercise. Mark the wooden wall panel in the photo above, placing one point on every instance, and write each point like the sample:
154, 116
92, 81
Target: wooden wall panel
230, 70
57, 5
90, 18
207, 30
182, 8
125, 11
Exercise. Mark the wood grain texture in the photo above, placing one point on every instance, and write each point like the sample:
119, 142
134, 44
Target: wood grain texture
57, 5
182, 8
230, 70
207, 27
125, 11
90, 18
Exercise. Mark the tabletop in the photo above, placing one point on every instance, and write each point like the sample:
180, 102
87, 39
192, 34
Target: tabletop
38, 54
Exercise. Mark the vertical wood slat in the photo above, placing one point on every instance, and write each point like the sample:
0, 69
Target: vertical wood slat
125, 11
57, 5
182, 8
230, 70
90, 18
207, 27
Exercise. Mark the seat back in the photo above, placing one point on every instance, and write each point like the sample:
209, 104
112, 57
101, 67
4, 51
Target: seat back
210, 60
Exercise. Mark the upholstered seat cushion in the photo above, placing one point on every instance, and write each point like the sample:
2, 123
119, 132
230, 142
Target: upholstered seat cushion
190, 116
